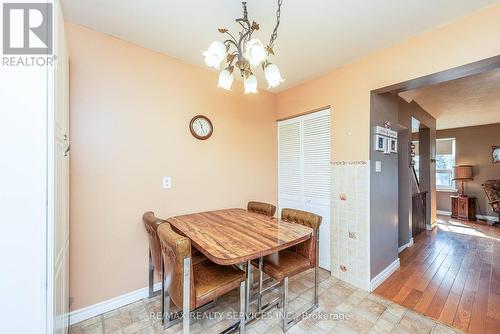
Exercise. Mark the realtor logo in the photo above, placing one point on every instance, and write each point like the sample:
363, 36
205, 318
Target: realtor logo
27, 28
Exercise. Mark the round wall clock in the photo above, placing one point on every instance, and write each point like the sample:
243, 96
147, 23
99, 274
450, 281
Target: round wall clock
201, 127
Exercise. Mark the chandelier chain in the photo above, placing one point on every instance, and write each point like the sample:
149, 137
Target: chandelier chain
274, 35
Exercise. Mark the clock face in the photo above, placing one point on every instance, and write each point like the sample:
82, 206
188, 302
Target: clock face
201, 127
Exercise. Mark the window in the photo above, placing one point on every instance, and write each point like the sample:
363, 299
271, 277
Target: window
445, 160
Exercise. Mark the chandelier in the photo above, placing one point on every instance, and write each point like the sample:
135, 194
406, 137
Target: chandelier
244, 53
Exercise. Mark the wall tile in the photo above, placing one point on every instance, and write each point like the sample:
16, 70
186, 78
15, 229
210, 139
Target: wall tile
350, 215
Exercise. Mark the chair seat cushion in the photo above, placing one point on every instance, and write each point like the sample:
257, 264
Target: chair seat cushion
286, 263
212, 280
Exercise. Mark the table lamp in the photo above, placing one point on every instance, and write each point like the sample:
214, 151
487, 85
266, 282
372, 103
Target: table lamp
463, 173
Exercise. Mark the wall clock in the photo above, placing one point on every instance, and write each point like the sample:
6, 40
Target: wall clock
201, 127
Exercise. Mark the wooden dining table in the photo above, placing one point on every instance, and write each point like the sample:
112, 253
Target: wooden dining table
234, 236
237, 236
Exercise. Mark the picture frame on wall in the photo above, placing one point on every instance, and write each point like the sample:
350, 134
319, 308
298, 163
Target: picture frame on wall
380, 143
495, 154
393, 145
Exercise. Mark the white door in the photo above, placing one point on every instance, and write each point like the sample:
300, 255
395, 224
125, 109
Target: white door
304, 154
58, 227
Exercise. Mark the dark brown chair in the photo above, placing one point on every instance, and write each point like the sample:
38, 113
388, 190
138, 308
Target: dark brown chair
151, 224
262, 208
492, 190
293, 261
190, 284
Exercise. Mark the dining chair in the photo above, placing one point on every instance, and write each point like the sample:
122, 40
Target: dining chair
151, 223
262, 208
190, 284
292, 261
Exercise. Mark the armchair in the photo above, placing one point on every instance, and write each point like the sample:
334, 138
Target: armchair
492, 190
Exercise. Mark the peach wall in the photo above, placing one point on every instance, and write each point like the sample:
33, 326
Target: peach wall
347, 89
130, 110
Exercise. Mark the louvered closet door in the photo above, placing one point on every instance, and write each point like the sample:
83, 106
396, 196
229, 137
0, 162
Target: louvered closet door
290, 161
304, 170
316, 176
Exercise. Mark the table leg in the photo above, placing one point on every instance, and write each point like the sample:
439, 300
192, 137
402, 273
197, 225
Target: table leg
186, 290
248, 288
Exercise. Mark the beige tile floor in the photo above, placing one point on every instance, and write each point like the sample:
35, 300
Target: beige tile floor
343, 309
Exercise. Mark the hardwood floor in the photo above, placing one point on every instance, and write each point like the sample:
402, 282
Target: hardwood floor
451, 274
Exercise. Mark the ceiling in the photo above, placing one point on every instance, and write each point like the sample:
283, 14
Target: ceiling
315, 36
469, 101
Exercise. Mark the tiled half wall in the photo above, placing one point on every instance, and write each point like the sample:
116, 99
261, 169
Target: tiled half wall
350, 259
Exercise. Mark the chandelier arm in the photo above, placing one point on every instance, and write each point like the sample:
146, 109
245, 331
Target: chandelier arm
230, 41
232, 37
274, 35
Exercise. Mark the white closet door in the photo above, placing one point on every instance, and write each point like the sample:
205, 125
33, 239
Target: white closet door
289, 165
316, 176
304, 147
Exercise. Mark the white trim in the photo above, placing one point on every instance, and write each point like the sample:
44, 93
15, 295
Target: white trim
88, 312
380, 278
487, 218
408, 244
482, 217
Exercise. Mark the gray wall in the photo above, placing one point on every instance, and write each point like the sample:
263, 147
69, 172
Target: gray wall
390, 199
383, 189
473, 147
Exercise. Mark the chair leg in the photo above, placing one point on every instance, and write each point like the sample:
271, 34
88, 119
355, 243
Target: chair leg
151, 275
316, 269
284, 300
243, 315
186, 300
162, 293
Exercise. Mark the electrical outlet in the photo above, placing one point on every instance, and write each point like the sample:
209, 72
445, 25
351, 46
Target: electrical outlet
167, 182
378, 166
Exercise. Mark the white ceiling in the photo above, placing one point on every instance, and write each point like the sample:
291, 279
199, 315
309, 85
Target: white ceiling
315, 36
469, 101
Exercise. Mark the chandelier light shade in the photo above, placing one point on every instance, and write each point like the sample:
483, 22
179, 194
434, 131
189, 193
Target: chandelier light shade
225, 80
255, 52
250, 84
273, 75
215, 54
245, 54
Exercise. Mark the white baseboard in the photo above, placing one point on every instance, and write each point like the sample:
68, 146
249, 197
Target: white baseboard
409, 244
488, 218
482, 217
380, 278
88, 312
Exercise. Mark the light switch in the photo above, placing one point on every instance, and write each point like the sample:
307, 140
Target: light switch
167, 182
378, 166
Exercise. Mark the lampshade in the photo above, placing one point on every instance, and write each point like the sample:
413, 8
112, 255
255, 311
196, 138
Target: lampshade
250, 84
215, 54
463, 173
255, 52
225, 80
273, 75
